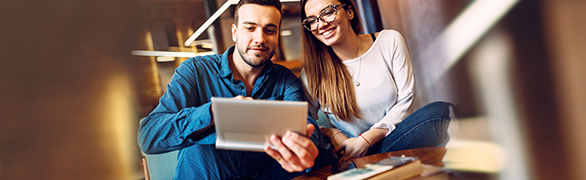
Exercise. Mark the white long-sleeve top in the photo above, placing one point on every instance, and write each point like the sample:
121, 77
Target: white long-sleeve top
386, 90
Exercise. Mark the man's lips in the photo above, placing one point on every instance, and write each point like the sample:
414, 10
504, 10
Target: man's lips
258, 49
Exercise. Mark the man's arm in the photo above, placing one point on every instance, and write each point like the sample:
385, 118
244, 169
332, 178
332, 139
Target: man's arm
177, 117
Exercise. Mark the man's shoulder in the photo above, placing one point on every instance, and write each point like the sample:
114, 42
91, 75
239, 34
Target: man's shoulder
282, 70
279, 67
284, 75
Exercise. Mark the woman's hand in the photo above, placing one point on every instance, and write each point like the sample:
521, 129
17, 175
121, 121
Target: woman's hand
354, 148
335, 136
358, 146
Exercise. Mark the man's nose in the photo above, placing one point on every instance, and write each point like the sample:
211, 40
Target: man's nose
259, 36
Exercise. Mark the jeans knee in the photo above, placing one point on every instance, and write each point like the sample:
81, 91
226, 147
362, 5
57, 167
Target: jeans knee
433, 110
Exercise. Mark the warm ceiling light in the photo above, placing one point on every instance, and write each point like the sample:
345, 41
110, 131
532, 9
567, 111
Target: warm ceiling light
224, 7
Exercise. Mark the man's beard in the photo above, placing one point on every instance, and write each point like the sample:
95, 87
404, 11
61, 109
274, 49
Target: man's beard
248, 60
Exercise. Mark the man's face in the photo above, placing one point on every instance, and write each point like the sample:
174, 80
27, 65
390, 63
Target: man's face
257, 33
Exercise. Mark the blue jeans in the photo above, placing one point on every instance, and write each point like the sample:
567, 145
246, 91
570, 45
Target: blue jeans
426, 127
227, 164
207, 162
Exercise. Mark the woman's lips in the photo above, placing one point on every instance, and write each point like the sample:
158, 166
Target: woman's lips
328, 33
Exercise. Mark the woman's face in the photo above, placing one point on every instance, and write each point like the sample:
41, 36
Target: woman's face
333, 32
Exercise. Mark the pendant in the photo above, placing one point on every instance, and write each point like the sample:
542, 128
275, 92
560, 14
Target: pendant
357, 83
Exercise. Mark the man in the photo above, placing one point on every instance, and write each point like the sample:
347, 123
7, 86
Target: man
183, 119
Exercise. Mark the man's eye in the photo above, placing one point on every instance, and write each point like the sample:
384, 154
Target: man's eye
271, 31
250, 28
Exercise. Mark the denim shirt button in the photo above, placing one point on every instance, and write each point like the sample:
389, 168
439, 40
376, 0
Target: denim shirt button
181, 137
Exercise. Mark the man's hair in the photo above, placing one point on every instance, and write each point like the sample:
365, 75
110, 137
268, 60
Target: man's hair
274, 3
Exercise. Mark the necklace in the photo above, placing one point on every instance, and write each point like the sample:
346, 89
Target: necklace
359, 63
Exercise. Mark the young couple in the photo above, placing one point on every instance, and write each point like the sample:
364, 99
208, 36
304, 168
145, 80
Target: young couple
363, 83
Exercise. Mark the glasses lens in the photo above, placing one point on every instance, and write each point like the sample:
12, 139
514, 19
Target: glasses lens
310, 23
329, 14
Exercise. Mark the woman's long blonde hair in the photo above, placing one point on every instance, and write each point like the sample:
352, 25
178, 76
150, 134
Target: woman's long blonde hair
328, 78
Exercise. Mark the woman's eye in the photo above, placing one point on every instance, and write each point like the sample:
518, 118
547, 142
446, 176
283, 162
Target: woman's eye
327, 13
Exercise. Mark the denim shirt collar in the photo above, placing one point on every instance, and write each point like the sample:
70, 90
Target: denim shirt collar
225, 67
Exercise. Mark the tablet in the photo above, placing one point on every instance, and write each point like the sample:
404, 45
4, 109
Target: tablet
246, 125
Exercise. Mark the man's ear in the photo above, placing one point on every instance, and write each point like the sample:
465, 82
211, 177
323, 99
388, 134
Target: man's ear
234, 37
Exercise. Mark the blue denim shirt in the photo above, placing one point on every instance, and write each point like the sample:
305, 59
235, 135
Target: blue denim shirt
185, 108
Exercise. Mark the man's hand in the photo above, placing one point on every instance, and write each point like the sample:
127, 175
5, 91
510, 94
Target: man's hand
242, 97
294, 152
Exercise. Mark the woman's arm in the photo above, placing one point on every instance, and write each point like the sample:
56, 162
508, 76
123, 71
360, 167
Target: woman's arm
402, 71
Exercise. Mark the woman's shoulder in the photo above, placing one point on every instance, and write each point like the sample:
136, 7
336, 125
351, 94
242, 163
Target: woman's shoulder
388, 33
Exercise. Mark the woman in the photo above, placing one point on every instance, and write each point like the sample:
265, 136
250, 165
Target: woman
364, 83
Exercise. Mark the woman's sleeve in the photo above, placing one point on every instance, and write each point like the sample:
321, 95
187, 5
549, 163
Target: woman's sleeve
402, 71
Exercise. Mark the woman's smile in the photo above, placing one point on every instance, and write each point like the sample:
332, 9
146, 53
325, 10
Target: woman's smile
328, 33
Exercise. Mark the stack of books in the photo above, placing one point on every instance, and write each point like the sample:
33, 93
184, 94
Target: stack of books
390, 168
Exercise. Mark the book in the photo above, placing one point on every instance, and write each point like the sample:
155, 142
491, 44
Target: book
390, 168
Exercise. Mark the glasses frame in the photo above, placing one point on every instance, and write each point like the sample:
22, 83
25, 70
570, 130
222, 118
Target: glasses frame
318, 18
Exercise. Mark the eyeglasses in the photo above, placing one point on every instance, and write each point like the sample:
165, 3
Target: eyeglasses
327, 14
